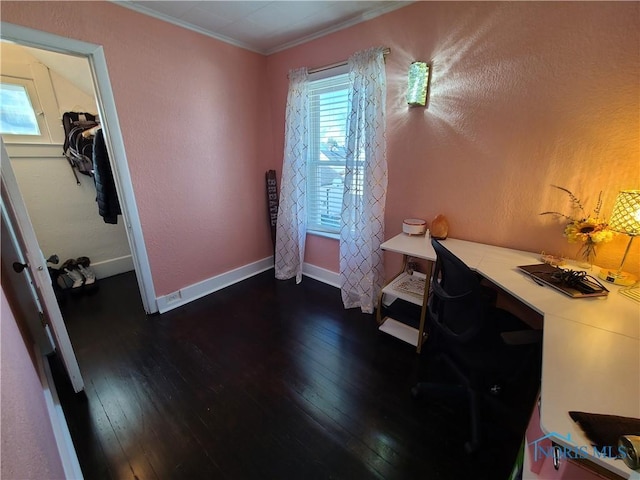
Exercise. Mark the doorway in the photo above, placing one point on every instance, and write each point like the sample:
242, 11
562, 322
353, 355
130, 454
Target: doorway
113, 139
60, 200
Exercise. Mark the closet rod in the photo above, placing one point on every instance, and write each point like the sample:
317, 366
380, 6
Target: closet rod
385, 52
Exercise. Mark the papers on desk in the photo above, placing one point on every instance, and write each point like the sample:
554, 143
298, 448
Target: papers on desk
574, 284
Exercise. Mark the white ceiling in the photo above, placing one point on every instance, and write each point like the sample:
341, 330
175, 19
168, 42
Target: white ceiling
262, 26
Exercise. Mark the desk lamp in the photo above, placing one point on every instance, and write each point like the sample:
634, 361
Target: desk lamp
624, 219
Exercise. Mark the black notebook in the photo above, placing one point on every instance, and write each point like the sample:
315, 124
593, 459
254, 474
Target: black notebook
577, 287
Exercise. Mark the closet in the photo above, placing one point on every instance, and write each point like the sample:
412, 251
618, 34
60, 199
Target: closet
64, 211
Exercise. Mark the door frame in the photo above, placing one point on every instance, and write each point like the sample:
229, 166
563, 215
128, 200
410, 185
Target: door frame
113, 139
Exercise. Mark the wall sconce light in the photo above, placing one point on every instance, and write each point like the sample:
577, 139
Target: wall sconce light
418, 84
624, 219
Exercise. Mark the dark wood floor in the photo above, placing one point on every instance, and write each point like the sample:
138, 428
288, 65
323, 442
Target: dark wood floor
264, 379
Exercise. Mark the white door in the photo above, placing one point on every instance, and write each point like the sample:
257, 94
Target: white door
21, 288
18, 223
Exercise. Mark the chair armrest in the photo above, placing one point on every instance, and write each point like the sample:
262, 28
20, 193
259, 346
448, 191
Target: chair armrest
522, 337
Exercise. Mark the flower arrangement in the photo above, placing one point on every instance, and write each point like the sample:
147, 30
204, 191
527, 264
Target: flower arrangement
589, 229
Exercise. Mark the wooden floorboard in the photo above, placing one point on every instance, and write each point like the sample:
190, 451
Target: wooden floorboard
264, 379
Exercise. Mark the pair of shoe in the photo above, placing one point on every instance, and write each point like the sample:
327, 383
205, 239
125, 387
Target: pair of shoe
77, 274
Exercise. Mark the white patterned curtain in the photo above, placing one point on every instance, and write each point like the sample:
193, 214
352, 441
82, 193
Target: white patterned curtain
362, 227
291, 226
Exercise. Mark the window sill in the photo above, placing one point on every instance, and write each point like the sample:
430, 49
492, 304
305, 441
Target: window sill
318, 233
34, 150
28, 143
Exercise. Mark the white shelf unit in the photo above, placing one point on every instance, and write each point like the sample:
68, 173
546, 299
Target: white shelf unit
411, 288
400, 330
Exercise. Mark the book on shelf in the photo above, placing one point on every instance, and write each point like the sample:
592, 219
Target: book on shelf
411, 284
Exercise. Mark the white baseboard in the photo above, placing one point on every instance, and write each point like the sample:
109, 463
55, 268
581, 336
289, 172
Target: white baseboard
321, 274
198, 290
66, 450
114, 266
210, 285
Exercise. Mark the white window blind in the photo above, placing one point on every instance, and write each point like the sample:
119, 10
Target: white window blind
328, 108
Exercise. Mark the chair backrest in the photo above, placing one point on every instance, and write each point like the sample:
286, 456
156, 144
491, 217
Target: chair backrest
457, 307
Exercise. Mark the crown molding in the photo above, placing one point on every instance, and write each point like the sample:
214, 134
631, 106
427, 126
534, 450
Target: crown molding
341, 26
181, 23
269, 51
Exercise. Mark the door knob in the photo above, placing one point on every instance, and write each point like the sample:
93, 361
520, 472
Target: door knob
19, 267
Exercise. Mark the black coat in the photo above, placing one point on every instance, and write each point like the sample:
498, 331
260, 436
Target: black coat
107, 197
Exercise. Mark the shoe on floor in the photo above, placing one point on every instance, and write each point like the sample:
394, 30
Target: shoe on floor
76, 277
64, 281
88, 274
84, 261
68, 264
71, 279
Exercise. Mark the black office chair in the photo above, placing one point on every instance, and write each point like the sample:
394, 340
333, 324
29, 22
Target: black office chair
486, 347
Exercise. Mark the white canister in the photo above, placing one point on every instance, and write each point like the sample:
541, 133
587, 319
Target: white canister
414, 226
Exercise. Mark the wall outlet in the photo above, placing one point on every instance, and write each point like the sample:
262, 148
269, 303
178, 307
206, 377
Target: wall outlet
173, 297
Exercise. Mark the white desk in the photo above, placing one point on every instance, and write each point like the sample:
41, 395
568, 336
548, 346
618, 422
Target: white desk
591, 346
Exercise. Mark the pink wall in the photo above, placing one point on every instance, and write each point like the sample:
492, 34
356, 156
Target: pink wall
192, 111
523, 95
28, 444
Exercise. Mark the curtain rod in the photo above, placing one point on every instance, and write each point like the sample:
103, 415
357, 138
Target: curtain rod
385, 52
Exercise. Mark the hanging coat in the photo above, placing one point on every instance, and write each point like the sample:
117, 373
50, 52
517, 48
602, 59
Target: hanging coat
107, 197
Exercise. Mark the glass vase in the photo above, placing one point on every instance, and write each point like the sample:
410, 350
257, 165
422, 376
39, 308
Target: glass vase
587, 254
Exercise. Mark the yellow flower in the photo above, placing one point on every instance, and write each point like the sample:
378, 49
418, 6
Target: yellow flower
602, 236
587, 229
593, 229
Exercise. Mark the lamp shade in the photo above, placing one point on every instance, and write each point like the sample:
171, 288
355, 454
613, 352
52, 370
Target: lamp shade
418, 78
625, 217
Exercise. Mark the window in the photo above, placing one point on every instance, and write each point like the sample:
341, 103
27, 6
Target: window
21, 118
328, 108
16, 113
